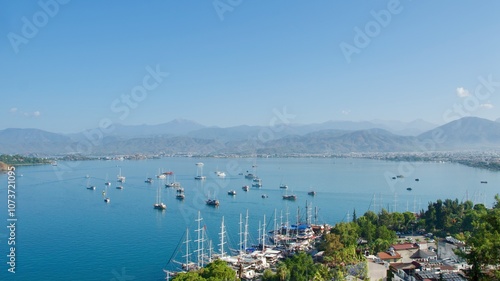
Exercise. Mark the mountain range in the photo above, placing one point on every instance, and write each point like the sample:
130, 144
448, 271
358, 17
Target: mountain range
184, 136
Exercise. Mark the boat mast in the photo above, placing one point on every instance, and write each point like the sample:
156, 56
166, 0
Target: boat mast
245, 235
275, 227
199, 241
264, 234
287, 228
298, 216
241, 235
315, 215
222, 232
187, 248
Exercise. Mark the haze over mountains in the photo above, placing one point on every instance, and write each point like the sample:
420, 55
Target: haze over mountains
184, 136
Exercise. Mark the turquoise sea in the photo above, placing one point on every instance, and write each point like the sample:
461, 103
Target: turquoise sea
66, 232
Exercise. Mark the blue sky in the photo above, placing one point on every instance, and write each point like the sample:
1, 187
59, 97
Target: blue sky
238, 62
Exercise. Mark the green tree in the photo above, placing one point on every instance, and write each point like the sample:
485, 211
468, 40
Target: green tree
188, 276
218, 270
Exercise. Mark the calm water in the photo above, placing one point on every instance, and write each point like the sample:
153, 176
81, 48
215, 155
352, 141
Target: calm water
66, 232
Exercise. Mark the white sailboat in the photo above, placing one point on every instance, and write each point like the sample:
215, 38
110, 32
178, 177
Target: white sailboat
90, 187
119, 177
159, 205
199, 172
104, 195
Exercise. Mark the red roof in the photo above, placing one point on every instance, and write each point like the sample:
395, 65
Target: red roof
386, 256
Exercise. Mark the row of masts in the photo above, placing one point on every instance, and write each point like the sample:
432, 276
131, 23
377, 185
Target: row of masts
201, 237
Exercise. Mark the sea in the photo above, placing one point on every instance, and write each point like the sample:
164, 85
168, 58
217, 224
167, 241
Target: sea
65, 231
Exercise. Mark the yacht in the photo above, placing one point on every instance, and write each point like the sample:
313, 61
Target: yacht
231, 192
283, 186
220, 174
212, 202
119, 187
158, 204
312, 193
257, 182
290, 197
199, 172
119, 177
149, 180
245, 188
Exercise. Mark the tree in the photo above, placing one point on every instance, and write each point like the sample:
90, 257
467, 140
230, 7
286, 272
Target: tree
348, 232
484, 244
218, 270
188, 276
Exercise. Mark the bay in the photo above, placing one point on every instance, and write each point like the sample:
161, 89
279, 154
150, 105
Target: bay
66, 232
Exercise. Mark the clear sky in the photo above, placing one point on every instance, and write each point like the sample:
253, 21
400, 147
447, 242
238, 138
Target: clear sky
67, 65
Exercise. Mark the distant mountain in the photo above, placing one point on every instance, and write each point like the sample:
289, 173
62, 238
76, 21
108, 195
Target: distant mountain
182, 136
465, 133
175, 127
339, 141
28, 141
412, 128
161, 144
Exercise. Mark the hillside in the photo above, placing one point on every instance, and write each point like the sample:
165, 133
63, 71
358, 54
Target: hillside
469, 133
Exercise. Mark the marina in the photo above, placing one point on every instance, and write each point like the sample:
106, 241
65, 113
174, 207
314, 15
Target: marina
342, 183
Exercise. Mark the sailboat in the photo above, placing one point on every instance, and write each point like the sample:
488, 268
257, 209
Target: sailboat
90, 187
199, 172
104, 195
291, 197
119, 177
173, 184
159, 205
106, 182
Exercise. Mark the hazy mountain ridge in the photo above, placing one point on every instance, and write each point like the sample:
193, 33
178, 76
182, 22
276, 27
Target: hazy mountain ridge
468, 132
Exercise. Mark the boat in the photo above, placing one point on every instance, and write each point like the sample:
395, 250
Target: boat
212, 202
106, 199
400, 176
119, 187
173, 184
312, 193
249, 176
393, 178
290, 197
119, 177
220, 174
417, 179
159, 205
106, 182
264, 196
149, 180
180, 196
283, 186
245, 188
199, 172
231, 192
409, 189
484, 182
257, 182
54, 163
161, 175
90, 187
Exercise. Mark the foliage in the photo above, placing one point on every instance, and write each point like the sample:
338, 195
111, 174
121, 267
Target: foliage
22, 160
484, 243
215, 271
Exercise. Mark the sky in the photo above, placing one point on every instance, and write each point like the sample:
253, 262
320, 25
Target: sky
74, 65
